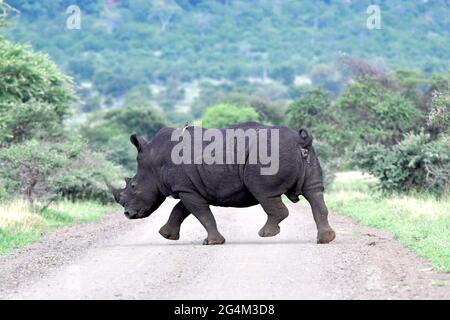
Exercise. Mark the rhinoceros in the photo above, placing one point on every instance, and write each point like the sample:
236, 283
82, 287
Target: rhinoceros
199, 183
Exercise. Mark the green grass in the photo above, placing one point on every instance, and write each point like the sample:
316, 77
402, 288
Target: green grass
420, 222
20, 226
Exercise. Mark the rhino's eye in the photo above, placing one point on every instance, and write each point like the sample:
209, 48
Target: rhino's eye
133, 185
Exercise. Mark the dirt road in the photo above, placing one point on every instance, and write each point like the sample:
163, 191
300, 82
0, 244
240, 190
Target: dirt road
121, 259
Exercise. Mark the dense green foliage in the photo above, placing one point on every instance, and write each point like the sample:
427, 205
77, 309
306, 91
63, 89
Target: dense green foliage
109, 131
266, 99
224, 115
39, 159
44, 170
416, 163
122, 44
374, 113
314, 110
34, 94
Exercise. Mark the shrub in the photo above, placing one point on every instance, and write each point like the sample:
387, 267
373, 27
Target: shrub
141, 119
46, 170
108, 132
224, 115
439, 115
371, 112
314, 111
83, 178
328, 160
414, 164
27, 75
21, 121
34, 94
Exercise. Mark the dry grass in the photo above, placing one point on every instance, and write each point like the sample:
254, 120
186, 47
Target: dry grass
19, 225
421, 207
18, 218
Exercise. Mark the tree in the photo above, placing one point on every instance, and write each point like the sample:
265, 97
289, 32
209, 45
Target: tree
43, 171
34, 94
314, 110
439, 116
410, 81
285, 74
143, 120
27, 75
39, 159
372, 112
109, 131
224, 115
21, 121
434, 104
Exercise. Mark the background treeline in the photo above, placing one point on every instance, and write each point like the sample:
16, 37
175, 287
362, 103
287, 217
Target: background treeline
125, 45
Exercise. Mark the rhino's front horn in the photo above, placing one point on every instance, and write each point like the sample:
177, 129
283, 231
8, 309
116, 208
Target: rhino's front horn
114, 191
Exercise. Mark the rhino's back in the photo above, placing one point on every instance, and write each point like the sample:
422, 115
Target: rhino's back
231, 185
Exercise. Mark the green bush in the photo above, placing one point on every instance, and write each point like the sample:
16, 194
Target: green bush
372, 112
84, 178
21, 121
314, 110
109, 131
414, 164
141, 119
27, 75
439, 115
328, 160
224, 115
47, 170
34, 94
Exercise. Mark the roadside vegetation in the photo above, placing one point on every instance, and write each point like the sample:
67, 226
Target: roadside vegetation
20, 225
419, 221
49, 175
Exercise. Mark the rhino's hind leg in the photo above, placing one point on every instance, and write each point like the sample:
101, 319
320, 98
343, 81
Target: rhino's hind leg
325, 233
200, 209
276, 212
171, 230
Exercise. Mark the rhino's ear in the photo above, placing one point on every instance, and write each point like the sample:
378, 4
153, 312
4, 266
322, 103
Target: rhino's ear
137, 142
306, 137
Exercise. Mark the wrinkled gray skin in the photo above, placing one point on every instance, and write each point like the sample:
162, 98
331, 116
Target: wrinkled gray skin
239, 185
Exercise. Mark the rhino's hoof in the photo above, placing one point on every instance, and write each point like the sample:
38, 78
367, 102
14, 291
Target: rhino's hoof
169, 233
269, 231
326, 236
214, 241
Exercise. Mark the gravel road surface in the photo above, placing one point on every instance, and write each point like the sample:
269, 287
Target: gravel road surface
118, 258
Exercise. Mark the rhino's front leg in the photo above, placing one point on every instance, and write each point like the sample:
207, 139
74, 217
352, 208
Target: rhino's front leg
200, 209
171, 230
325, 233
